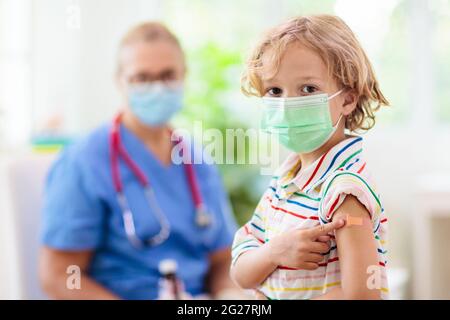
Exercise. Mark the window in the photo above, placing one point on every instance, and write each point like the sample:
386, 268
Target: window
441, 50
15, 75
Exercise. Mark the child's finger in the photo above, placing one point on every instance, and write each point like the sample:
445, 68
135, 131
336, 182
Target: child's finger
320, 247
309, 266
323, 230
323, 239
314, 257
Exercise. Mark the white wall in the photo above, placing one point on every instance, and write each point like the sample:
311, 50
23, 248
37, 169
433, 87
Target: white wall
73, 67
15, 74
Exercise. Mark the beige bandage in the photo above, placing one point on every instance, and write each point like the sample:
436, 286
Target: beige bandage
354, 221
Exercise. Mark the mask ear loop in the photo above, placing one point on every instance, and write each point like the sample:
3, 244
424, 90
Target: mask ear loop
339, 121
335, 95
340, 117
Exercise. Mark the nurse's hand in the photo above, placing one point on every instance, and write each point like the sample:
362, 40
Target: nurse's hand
302, 248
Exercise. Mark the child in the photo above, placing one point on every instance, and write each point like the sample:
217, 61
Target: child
317, 85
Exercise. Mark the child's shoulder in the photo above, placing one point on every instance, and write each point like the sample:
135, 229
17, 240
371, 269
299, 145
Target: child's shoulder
354, 178
351, 169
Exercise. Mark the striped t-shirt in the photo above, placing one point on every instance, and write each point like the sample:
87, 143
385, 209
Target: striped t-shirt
305, 200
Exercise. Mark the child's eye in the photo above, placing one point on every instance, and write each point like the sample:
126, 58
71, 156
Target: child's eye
309, 89
274, 92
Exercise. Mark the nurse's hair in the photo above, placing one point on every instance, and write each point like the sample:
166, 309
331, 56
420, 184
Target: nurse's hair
147, 32
334, 41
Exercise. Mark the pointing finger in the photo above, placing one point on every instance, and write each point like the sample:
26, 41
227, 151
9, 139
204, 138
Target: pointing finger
323, 239
323, 230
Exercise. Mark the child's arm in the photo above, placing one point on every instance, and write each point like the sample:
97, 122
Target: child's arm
252, 267
357, 252
296, 249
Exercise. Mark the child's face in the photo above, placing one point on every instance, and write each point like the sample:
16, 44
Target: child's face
302, 72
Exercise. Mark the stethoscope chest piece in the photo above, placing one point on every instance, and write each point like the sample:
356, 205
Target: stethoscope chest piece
202, 218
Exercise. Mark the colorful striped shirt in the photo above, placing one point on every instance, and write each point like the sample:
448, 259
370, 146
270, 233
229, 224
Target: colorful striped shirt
302, 198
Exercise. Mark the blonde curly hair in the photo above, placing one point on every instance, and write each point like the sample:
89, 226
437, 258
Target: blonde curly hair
338, 47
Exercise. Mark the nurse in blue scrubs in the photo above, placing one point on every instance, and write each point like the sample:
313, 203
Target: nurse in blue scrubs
116, 205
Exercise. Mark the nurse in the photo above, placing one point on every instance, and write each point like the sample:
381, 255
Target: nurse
116, 205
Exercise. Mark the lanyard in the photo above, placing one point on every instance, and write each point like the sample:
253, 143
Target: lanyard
117, 150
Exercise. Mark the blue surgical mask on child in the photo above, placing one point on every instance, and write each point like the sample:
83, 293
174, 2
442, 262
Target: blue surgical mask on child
154, 104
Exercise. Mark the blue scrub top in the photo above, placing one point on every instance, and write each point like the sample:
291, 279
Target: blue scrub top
81, 212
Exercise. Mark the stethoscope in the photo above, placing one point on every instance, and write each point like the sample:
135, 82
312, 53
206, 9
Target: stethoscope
202, 217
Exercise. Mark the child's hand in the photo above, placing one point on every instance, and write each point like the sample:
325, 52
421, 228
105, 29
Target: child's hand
302, 248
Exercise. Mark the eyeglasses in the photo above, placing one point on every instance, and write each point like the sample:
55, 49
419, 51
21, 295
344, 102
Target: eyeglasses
144, 86
144, 77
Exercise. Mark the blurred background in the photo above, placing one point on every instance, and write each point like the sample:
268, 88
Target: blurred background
57, 63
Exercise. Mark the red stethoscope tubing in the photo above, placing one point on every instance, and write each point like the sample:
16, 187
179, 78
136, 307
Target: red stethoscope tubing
117, 150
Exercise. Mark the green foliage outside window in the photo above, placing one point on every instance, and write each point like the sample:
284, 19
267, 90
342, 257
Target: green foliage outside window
213, 75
